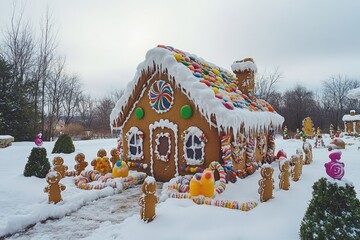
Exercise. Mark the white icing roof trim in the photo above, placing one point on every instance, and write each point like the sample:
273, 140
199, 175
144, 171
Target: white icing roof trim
202, 96
354, 93
348, 117
242, 66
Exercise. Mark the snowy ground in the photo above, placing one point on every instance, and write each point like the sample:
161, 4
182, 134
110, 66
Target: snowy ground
100, 214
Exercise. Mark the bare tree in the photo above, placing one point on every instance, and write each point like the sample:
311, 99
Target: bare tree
298, 103
45, 61
72, 96
102, 116
19, 46
55, 93
265, 84
334, 96
86, 111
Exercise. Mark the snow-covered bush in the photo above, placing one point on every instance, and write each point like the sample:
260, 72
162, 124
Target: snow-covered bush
64, 144
38, 164
333, 212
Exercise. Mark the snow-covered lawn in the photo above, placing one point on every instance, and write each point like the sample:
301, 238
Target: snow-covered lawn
23, 202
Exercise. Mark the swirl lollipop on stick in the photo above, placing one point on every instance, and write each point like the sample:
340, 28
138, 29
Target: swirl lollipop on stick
335, 168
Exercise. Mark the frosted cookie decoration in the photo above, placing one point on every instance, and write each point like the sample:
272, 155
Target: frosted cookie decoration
54, 188
81, 164
296, 167
284, 174
335, 168
148, 200
59, 166
266, 183
161, 96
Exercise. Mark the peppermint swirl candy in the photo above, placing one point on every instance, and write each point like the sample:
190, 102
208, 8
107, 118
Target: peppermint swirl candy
161, 96
335, 170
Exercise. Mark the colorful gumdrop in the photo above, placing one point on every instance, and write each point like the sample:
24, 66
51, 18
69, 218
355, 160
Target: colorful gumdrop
335, 168
120, 169
203, 184
195, 185
208, 183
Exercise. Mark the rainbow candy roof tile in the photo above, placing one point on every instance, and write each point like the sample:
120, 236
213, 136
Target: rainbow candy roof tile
222, 82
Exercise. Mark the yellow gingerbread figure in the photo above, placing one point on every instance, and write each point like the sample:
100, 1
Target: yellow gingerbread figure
54, 188
114, 157
102, 165
308, 152
284, 175
297, 167
81, 164
266, 183
59, 167
148, 200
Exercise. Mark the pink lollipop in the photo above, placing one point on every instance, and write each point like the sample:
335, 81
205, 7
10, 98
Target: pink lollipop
335, 168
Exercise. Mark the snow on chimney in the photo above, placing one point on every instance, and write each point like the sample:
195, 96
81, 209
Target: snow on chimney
245, 72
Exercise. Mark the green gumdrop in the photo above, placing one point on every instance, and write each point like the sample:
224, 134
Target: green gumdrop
186, 111
139, 113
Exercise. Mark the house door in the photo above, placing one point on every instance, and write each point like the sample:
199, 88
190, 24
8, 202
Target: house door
163, 152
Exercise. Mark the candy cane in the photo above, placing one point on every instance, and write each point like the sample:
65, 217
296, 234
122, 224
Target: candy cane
217, 166
247, 206
226, 150
250, 150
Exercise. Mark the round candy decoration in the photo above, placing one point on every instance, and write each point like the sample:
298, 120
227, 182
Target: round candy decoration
139, 113
161, 96
186, 111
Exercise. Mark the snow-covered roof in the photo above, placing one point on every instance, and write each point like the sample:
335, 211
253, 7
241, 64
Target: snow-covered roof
348, 117
354, 93
212, 89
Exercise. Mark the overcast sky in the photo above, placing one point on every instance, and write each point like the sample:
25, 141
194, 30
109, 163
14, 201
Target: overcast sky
104, 40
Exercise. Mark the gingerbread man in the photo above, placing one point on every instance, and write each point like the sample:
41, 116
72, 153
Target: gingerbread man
59, 167
101, 153
114, 156
148, 200
54, 188
297, 167
308, 152
266, 183
284, 175
81, 163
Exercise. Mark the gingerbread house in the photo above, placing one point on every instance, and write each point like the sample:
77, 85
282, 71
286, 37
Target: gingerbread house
180, 113
352, 122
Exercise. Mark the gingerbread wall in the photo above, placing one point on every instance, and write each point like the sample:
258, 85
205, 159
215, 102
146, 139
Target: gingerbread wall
349, 126
164, 171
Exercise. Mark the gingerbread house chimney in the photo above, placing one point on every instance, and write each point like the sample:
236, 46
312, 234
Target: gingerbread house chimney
245, 72
352, 112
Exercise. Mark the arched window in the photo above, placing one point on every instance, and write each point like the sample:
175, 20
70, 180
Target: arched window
194, 144
134, 138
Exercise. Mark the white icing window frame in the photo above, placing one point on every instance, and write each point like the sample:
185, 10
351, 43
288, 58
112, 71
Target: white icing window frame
192, 132
133, 132
165, 157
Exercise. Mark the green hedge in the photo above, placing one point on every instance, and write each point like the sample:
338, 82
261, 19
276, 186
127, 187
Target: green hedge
333, 213
38, 164
64, 144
